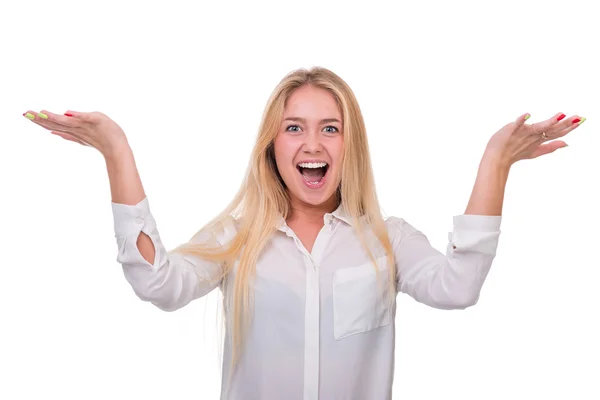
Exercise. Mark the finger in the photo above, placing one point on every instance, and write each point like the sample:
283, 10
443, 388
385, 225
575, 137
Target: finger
89, 117
521, 120
564, 127
56, 122
62, 119
38, 118
567, 125
69, 137
548, 148
547, 125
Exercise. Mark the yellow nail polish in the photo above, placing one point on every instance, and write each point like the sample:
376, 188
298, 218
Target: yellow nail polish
30, 116
582, 121
41, 115
527, 117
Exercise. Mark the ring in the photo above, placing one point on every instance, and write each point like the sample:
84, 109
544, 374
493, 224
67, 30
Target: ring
544, 135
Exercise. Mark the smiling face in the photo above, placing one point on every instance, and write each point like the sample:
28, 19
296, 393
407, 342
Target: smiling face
309, 147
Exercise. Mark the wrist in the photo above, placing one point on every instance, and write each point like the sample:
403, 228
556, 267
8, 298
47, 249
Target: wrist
117, 153
495, 161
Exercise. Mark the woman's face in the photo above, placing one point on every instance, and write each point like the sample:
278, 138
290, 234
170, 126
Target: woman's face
309, 146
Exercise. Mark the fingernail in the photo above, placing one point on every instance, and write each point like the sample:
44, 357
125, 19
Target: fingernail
527, 117
576, 120
68, 115
560, 117
29, 115
42, 115
582, 120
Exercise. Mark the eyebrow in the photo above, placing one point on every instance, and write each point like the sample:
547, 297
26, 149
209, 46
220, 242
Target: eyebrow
323, 121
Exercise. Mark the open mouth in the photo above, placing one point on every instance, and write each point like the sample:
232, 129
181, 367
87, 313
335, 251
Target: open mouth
313, 172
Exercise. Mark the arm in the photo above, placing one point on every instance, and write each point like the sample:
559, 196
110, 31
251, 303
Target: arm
487, 196
126, 188
169, 281
445, 281
454, 280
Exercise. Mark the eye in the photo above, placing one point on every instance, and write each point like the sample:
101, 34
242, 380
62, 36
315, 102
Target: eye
292, 126
333, 127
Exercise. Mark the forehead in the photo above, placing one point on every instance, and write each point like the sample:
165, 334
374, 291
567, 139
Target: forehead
312, 103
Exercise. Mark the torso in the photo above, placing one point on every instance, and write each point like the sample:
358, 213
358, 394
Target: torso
316, 316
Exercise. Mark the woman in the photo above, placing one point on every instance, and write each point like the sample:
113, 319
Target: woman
307, 266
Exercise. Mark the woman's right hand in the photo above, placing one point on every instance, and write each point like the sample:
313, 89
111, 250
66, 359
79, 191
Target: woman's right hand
93, 129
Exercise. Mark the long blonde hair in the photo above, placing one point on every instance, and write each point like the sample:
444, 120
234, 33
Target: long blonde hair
262, 200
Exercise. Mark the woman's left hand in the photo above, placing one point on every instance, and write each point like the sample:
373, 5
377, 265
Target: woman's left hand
518, 140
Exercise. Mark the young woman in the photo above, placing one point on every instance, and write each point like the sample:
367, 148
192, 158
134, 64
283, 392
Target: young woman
307, 266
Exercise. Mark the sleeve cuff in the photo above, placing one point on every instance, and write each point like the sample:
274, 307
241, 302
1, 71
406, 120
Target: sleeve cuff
131, 219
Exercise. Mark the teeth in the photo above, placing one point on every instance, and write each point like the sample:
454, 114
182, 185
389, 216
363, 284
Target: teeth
312, 165
309, 182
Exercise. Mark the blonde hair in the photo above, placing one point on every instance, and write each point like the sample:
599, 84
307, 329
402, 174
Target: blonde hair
262, 200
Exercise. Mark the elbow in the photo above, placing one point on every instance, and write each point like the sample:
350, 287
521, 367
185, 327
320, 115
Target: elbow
454, 296
164, 294
157, 299
461, 301
460, 291
465, 303
165, 307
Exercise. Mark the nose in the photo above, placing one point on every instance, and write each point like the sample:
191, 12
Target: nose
312, 142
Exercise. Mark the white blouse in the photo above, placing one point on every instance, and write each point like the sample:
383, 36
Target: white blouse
319, 329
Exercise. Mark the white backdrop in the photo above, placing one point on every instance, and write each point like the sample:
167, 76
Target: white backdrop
188, 81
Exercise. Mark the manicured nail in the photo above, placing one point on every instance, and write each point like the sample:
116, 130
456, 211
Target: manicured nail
42, 115
29, 115
561, 116
68, 114
582, 120
527, 117
576, 120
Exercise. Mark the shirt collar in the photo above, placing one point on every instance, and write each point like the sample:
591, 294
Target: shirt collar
339, 214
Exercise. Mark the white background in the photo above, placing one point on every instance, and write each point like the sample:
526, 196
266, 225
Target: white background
188, 80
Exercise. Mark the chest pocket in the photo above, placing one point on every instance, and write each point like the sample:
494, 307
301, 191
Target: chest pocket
360, 303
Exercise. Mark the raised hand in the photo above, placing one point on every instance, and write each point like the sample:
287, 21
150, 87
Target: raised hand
518, 140
93, 129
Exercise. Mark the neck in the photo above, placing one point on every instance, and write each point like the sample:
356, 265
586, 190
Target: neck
310, 213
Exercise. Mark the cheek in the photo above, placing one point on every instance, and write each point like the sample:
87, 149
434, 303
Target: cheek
336, 150
284, 155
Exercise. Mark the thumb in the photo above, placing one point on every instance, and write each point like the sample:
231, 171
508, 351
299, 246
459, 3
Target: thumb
548, 148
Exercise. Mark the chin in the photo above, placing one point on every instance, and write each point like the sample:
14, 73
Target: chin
315, 199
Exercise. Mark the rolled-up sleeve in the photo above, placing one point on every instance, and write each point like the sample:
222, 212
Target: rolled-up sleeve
173, 280
445, 281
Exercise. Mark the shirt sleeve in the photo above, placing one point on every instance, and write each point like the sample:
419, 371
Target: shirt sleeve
174, 279
453, 280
